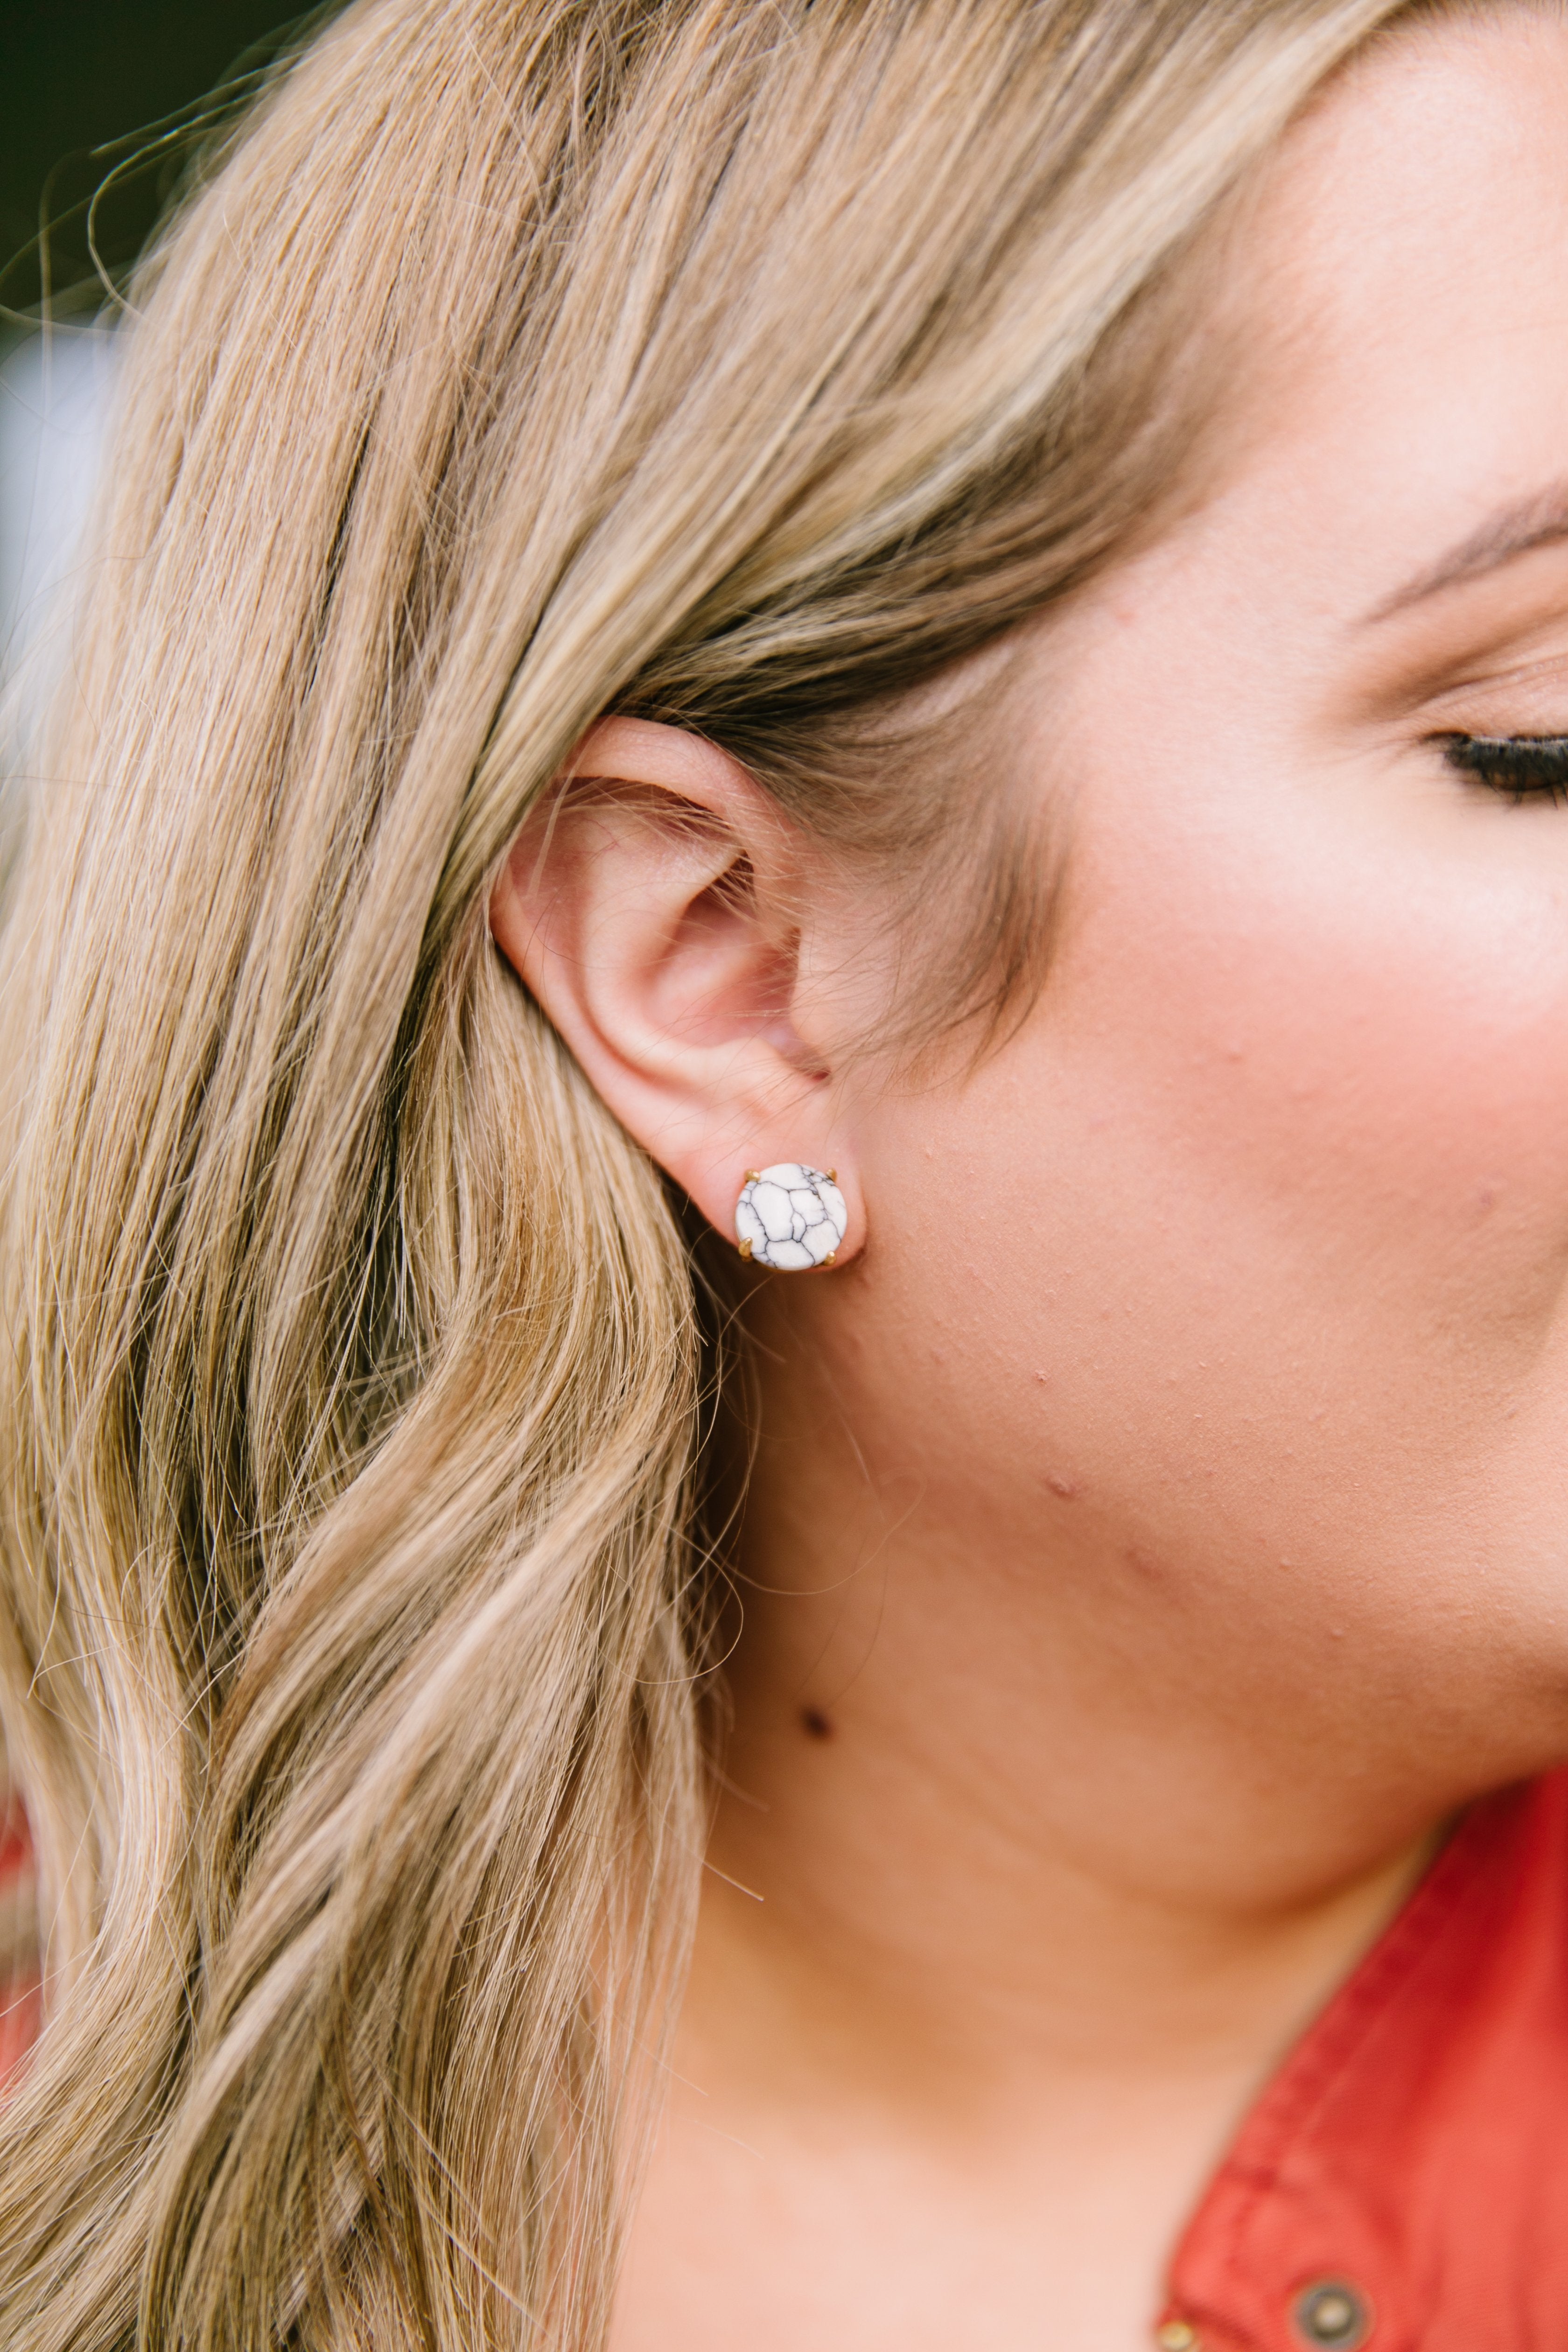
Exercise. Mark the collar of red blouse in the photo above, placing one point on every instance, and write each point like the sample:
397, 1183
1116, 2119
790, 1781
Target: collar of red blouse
1403, 2182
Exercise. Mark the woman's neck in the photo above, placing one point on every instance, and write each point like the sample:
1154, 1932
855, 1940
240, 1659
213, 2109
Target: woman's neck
1022, 1878
1007, 1799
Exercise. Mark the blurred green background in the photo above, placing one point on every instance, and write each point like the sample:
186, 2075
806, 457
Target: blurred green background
79, 75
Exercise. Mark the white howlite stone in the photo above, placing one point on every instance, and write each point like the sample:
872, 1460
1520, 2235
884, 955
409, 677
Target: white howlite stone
793, 1217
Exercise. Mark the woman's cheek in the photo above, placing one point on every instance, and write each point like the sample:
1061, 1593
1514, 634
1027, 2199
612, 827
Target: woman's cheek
1270, 1223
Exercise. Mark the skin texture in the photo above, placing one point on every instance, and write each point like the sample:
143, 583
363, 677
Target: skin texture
1158, 1529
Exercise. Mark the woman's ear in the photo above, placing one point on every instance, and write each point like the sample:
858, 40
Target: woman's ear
654, 907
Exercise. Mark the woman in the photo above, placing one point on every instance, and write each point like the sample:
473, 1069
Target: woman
930, 637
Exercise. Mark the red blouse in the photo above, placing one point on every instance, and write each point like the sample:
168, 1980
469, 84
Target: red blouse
1403, 2182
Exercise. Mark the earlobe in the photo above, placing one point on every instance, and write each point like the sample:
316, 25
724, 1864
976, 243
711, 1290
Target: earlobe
654, 908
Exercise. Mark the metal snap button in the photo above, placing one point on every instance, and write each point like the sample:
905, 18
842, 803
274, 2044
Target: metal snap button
1176, 2336
1332, 2312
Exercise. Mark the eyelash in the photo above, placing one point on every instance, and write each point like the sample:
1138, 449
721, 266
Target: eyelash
1526, 767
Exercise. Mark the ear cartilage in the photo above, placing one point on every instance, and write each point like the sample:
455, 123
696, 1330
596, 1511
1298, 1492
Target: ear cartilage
790, 1217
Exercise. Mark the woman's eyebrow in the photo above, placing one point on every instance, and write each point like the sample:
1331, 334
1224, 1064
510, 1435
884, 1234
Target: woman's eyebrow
1535, 521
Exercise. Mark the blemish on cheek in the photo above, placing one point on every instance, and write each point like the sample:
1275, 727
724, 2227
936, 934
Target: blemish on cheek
1486, 1201
815, 1723
1064, 1487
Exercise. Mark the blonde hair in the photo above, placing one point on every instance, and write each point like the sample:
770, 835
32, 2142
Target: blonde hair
736, 362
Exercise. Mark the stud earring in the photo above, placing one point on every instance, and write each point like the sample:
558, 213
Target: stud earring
790, 1216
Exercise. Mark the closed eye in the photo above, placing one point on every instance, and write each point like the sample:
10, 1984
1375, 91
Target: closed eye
1525, 767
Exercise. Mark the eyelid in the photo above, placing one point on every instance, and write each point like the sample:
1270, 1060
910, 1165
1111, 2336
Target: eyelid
1442, 676
1524, 698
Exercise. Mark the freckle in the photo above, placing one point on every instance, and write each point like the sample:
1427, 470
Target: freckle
1064, 1487
815, 1723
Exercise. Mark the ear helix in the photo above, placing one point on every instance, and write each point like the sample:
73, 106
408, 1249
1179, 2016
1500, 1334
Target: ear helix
790, 1216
